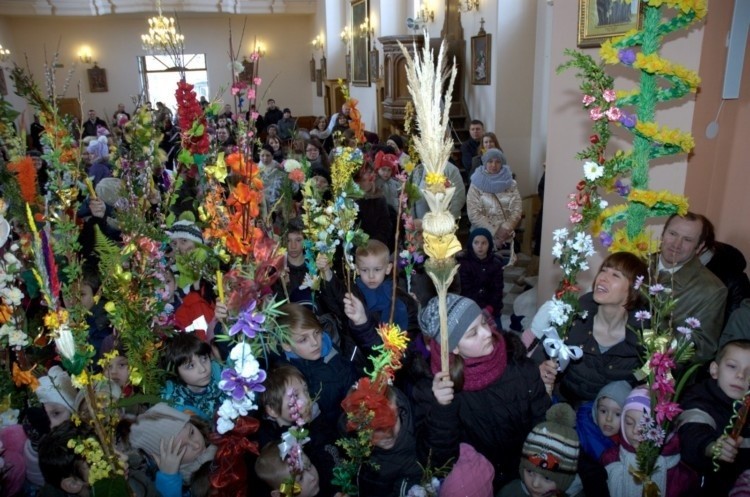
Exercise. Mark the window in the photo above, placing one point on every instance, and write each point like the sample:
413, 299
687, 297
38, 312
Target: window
159, 77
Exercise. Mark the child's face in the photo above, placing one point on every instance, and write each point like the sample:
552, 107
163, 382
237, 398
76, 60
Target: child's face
477, 341
367, 181
732, 373
294, 245
321, 183
169, 286
196, 373
632, 427
308, 481
57, 413
386, 439
87, 296
538, 485
480, 245
385, 173
183, 246
119, 371
373, 269
192, 439
285, 418
266, 157
608, 414
306, 343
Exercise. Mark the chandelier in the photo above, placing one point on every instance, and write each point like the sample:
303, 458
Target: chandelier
162, 34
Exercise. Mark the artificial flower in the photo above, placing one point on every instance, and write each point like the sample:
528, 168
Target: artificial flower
592, 171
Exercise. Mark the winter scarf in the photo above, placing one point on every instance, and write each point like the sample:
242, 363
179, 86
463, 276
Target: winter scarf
479, 372
379, 300
492, 183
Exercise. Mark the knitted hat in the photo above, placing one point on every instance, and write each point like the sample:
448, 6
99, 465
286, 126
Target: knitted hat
461, 313
551, 449
493, 154
109, 190
185, 230
397, 140
638, 400
389, 161
159, 422
471, 476
617, 391
98, 148
482, 232
56, 387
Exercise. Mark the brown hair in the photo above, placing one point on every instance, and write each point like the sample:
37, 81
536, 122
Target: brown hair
707, 235
740, 344
373, 247
492, 135
276, 383
631, 266
180, 349
298, 317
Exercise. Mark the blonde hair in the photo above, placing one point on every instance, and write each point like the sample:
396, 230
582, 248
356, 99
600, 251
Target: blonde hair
270, 467
373, 248
298, 317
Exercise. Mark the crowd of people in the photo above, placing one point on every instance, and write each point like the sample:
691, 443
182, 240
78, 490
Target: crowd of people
505, 420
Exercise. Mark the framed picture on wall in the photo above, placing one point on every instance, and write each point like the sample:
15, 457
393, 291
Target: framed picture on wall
348, 60
324, 66
312, 69
319, 82
3, 84
360, 45
374, 64
97, 79
481, 57
602, 19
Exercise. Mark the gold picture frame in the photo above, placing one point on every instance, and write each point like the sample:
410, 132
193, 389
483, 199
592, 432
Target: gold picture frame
97, 79
602, 19
360, 44
481, 58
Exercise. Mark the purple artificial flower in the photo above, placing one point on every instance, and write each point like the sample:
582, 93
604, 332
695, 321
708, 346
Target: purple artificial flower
685, 330
628, 120
605, 239
250, 322
642, 315
238, 387
626, 56
693, 322
657, 288
638, 283
419, 258
622, 189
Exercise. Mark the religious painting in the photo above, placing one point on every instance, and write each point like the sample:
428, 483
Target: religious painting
97, 80
3, 84
324, 66
248, 71
481, 58
348, 60
312, 69
602, 19
360, 45
374, 64
319, 82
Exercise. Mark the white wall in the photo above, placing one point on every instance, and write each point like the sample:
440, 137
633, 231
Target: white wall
115, 42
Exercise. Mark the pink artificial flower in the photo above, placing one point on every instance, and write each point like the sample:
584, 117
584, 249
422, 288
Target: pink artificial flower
573, 205
667, 411
638, 283
663, 385
596, 113
576, 217
661, 362
613, 114
235, 90
609, 95
251, 93
250, 134
257, 80
588, 100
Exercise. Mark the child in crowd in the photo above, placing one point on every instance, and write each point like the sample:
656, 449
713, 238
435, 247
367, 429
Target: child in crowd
598, 427
66, 471
274, 471
296, 269
481, 273
395, 467
492, 399
310, 349
673, 477
176, 443
194, 386
708, 409
99, 326
370, 302
373, 217
471, 475
286, 402
397, 143
549, 459
386, 167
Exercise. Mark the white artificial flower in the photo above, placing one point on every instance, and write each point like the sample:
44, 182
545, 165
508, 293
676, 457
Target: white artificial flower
5, 330
248, 368
592, 171
291, 165
241, 353
65, 343
557, 250
14, 247
560, 234
584, 266
18, 339
224, 425
603, 203
227, 410
12, 296
10, 259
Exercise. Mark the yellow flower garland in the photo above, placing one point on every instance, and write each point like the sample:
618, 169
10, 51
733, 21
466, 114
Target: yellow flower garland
650, 198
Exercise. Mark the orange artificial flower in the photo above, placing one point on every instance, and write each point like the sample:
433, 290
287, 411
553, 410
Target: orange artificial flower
26, 176
5, 313
21, 378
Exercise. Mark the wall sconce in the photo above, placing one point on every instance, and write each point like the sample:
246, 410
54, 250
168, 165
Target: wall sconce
468, 5
84, 55
366, 28
260, 50
346, 34
425, 15
4, 54
318, 43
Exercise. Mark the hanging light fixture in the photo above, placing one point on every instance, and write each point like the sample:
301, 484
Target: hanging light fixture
162, 34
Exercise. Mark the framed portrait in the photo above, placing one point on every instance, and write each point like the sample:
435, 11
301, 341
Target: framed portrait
97, 79
348, 60
481, 58
374, 64
248, 71
360, 45
324, 66
602, 19
319, 82
312, 69
3, 84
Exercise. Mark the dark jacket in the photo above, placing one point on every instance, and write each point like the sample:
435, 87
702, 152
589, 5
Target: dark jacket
728, 264
707, 411
469, 150
375, 219
494, 420
273, 116
583, 379
482, 280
